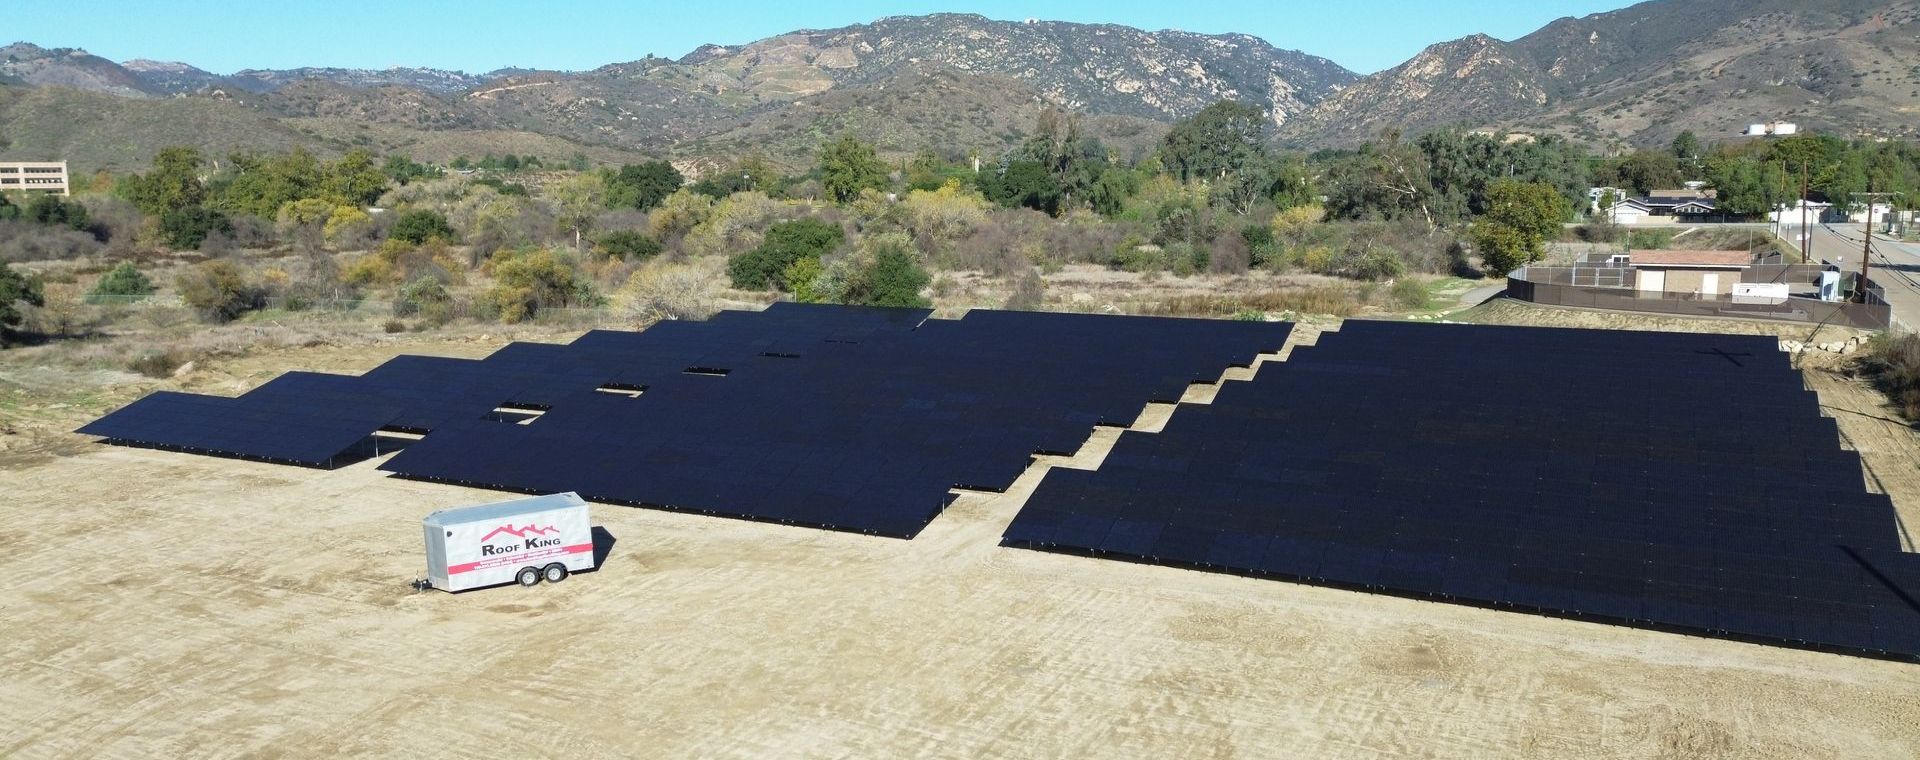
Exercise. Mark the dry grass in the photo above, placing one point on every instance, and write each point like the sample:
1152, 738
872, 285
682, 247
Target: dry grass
1893, 362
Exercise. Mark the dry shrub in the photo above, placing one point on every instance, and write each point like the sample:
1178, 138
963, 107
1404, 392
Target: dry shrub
113, 218
158, 362
1893, 361
1229, 254
1029, 293
1326, 299
669, 290
26, 241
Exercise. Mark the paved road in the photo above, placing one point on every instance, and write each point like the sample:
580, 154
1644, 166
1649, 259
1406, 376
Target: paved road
1896, 266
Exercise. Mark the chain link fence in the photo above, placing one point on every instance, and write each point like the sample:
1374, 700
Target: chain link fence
1567, 286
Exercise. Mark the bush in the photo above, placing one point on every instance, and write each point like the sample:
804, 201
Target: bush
25, 241
670, 291
1893, 361
157, 362
419, 226
802, 277
527, 281
1029, 293
892, 277
786, 243
1230, 254
218, 291
1410, 294
186, 228
52, 210
123, 280
424, 297
627, 245
16, 289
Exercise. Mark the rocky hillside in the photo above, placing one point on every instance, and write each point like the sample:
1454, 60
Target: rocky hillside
1477, 80
68, 67
964, 83
1642, 74
429, 80
955, 83
1099, 69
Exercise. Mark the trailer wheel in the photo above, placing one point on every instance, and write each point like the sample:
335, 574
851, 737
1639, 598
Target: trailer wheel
555, 572
528, 576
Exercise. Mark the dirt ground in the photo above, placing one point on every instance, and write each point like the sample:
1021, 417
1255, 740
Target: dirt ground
162, 604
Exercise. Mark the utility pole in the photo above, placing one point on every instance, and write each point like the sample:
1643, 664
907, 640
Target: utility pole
1806, 233
1866, 247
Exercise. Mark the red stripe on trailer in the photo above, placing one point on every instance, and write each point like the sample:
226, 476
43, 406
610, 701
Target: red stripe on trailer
492, 562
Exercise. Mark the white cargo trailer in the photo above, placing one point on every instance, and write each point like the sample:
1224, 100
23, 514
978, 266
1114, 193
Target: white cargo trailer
523, 541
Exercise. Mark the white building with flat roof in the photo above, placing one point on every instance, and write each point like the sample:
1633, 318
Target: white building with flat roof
35, 177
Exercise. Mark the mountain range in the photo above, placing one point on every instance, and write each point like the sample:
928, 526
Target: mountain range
963, 84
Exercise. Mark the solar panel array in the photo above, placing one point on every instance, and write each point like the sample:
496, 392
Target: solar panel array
1663, 480
842, 417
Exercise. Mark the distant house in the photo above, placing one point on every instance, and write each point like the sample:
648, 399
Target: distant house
1699, 273
1629, 211
1667, 202
1698, 211
1597, 194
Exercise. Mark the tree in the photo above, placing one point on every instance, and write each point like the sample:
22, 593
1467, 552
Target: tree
354, 180
16, 289
174, 182
642, 186
186, 228
51, 210
1387, 180
1648, 170
421, 225
262, 185
1520, 218
1023, 183
528, 281
123, 280
1223, 139
580, 197
848, 166
1745, 184
403, 170
1686, 149
785, 243
627, 245
1109, 194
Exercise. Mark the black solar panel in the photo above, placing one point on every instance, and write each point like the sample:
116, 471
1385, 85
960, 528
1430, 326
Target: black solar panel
843, 417
1657, 479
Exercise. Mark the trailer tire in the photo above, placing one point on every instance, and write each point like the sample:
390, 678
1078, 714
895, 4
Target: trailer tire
528, 576
554, 573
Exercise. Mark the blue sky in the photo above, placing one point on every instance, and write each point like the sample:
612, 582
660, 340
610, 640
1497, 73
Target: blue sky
482, 35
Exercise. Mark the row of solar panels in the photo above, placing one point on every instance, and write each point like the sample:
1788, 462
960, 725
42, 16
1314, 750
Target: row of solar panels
1564, 472
843, 417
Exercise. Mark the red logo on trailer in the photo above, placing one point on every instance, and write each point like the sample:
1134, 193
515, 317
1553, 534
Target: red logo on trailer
520, 532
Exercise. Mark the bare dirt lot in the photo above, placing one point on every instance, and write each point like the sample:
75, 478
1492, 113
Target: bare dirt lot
161, 604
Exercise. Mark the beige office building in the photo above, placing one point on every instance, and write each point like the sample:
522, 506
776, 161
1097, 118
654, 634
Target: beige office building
35, 177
